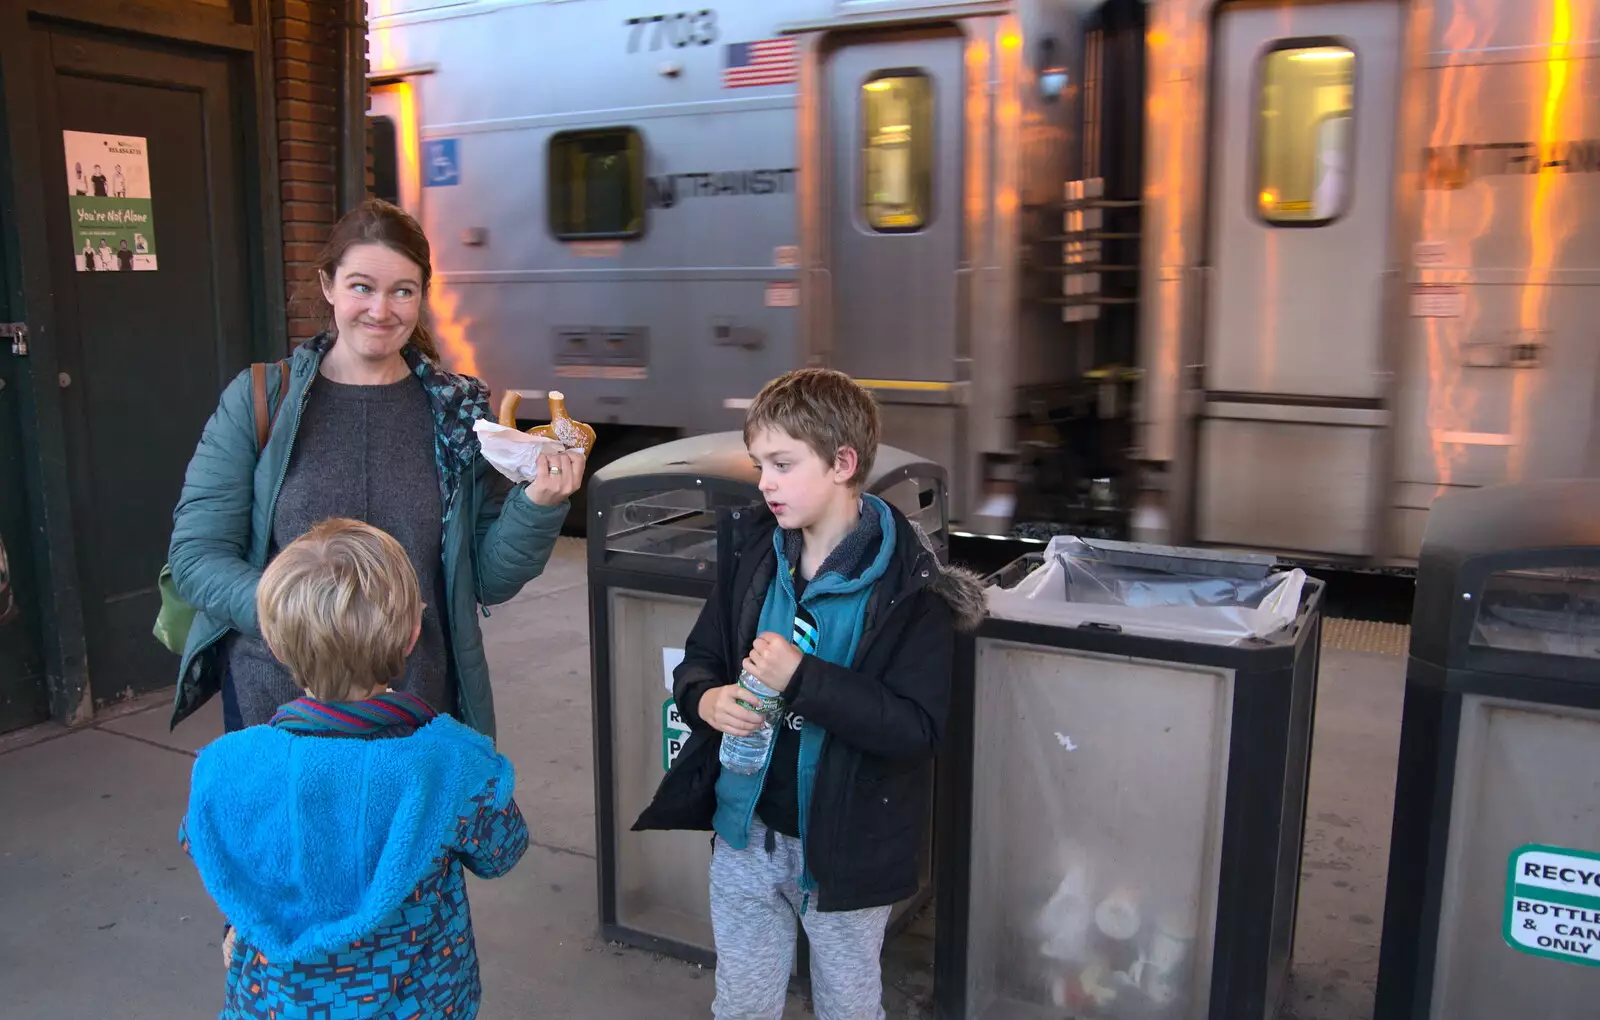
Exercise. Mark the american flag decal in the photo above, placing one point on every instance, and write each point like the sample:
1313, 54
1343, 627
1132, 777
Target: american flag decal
763, 62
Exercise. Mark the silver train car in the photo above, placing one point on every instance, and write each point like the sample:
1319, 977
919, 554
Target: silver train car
1370, 240
657, 210
1253, 274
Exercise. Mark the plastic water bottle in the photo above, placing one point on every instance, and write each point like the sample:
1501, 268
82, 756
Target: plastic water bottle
747, 755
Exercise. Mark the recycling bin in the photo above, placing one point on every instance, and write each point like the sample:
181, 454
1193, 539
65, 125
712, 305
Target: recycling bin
652, 550
1136, 749
1493, 904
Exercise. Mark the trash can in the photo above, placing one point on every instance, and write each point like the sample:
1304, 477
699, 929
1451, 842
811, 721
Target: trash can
652, 560
1137, 747
1493, 906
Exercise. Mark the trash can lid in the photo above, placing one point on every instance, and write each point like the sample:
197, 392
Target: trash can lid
1554, 514
1475, 533
722, 455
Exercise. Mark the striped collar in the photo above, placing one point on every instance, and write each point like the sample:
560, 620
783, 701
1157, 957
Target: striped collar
388, 711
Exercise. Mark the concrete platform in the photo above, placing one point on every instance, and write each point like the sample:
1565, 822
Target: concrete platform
101, 915
1345, 863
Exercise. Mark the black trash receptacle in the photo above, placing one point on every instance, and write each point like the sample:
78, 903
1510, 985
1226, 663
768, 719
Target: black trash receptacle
1138, 742
652, 561
1493, 905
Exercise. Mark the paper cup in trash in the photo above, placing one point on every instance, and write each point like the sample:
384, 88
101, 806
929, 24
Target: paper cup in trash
1117, 916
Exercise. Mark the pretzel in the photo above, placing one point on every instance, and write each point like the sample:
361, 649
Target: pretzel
508, 408
572, 435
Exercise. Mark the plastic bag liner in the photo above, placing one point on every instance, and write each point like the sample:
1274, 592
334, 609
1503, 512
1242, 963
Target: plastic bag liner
1156, 591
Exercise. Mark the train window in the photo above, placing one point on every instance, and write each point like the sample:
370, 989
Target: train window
1303, 133
385, 159
597, 184
896, 151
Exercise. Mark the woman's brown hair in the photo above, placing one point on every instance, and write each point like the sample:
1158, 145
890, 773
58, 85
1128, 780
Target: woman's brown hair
375, 221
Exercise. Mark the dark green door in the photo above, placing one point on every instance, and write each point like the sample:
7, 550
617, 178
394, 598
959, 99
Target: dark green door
142, 353
22, 689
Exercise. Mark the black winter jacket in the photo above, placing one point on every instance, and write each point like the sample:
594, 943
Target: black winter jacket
883, 715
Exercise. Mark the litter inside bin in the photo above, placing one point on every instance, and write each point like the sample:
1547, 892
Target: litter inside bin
1100, 956
1157, 591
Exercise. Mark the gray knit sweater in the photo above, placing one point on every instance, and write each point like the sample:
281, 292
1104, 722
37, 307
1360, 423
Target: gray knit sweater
365, 452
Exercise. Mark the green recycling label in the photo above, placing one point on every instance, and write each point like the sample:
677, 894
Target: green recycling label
1553, 903
674, 732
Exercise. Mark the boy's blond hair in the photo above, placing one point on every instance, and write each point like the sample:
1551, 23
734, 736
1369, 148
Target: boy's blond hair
339, 607
826, 410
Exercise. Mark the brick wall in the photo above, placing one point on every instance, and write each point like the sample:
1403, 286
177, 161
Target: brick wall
306, 64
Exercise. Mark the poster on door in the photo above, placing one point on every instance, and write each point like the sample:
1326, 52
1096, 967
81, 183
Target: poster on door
108, 188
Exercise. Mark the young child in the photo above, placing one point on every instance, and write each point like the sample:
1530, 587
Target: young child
835, 600
333, 838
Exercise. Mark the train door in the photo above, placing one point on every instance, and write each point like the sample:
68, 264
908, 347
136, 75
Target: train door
1299, 204
894, 254
396, 147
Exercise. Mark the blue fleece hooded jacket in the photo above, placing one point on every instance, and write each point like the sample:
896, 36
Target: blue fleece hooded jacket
308, 843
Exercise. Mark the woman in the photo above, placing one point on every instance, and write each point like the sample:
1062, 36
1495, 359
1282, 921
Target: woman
368, 426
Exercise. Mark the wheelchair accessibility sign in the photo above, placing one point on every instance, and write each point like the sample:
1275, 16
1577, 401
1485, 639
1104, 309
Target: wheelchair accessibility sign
441, 167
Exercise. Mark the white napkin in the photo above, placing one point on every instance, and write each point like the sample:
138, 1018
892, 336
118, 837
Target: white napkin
513, 452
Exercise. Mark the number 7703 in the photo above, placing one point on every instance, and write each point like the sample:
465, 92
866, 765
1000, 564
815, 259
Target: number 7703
685, 28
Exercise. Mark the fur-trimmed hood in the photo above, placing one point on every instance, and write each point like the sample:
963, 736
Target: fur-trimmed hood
961, 589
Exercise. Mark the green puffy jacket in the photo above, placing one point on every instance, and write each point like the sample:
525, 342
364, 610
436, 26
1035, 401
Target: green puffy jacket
495, 539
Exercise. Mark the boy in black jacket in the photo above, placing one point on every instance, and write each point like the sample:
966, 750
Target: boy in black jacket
833, 599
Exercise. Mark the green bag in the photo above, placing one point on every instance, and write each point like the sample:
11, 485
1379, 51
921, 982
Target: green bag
177, 616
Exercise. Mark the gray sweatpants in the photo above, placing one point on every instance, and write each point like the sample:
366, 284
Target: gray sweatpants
755, 899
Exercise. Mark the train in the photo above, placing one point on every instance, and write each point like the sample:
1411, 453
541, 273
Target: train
1239, 273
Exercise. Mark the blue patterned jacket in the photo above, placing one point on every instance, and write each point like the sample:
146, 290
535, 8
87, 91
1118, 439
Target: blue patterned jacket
222, 527
340, 862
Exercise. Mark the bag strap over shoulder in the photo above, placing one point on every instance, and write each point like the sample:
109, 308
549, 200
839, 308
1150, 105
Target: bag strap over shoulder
258, 394
266, 416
